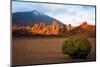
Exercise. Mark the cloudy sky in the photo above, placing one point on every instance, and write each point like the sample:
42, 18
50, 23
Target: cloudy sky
67, 14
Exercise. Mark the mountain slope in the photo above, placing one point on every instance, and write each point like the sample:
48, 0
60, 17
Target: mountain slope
31, 18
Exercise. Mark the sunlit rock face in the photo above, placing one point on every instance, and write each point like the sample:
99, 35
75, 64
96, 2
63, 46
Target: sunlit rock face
41, 28
85, 29
69, 27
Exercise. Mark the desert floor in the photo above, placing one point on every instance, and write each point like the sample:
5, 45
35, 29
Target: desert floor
44, 51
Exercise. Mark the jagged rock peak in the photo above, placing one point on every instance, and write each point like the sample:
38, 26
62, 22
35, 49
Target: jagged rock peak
69, 27
55, 23
84, 23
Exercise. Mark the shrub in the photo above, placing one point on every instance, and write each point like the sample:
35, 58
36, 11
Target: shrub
76, 47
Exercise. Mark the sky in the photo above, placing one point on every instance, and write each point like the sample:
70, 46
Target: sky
67, 14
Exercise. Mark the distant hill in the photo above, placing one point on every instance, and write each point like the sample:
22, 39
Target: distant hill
85, 29
31, 18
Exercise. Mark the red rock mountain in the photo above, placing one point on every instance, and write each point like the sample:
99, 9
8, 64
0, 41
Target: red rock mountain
53, 29
56, 29
85, 29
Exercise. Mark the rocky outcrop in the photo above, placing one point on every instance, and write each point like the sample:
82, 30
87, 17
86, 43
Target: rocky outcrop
85, 29
55, 28
37, 28
69, 27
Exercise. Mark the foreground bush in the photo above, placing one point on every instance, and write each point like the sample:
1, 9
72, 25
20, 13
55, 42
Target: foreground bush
76, 47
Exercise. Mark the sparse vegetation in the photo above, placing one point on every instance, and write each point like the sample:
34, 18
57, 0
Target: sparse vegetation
76, 47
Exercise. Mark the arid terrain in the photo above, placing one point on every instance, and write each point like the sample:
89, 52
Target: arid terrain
44, 51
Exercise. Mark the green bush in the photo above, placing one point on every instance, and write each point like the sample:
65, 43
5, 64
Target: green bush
76, 47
